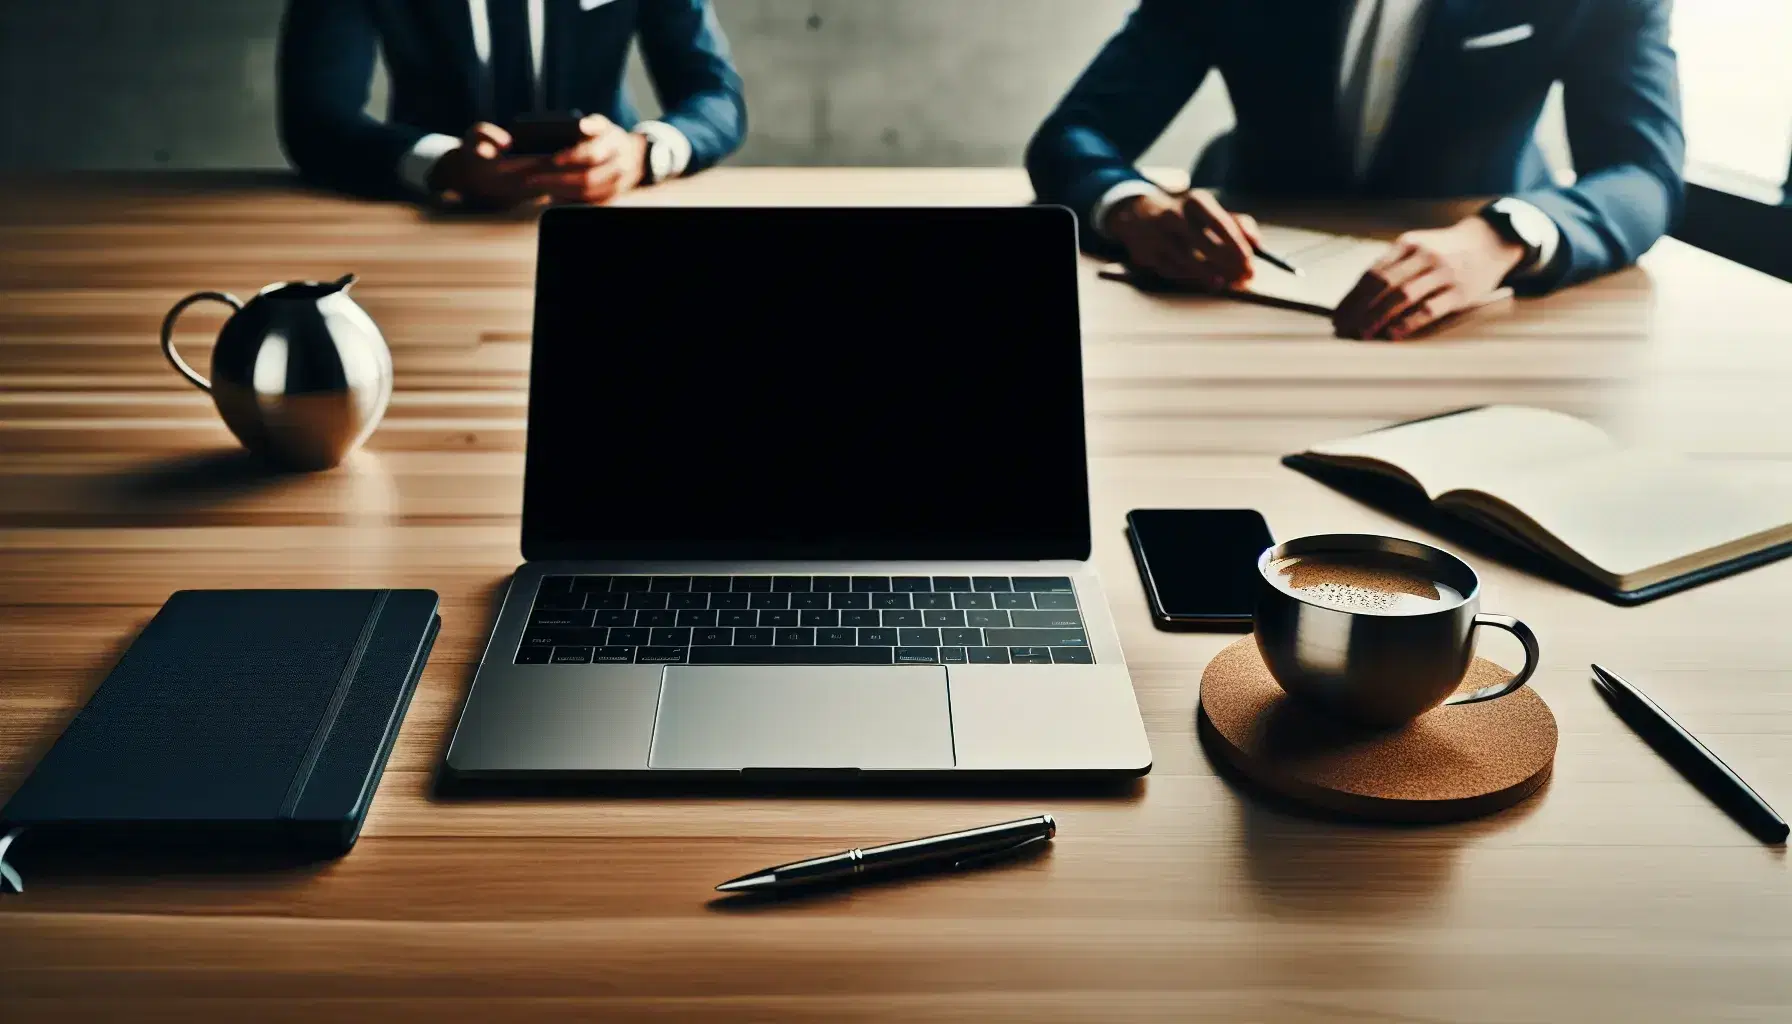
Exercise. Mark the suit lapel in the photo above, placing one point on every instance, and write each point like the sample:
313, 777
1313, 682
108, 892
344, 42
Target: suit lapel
1423, 94
448, 26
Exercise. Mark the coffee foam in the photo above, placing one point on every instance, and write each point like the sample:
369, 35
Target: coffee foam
1360, 586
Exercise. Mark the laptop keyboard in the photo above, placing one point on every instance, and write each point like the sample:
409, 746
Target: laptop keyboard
805, 620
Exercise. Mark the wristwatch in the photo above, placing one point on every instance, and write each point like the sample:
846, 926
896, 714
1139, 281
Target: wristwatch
1521, 224
657, 167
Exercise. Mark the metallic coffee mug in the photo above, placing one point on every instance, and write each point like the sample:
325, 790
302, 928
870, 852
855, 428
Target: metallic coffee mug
300, 373
1378, 669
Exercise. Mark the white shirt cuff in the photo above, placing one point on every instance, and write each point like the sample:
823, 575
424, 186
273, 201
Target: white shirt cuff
674, 141
1552, 240
1114, 197
414, 166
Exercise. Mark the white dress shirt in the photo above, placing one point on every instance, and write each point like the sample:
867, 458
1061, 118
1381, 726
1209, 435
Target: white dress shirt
1369, 83
415, 166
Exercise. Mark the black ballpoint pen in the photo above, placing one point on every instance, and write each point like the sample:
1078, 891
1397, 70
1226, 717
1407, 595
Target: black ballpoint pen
950, 851
1691, 757
1261, 253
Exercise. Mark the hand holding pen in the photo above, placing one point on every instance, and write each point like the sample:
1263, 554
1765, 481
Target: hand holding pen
1189, 238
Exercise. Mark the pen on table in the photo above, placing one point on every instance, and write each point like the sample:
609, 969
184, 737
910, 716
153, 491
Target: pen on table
1261, 253
951, 851
1737, 796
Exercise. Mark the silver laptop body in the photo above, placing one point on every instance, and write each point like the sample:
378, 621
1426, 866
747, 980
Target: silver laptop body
806, 497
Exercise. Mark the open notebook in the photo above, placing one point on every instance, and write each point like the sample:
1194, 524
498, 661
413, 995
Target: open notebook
1630, 524
1330, 267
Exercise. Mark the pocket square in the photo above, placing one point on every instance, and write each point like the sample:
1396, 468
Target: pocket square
587, 5
1504, 37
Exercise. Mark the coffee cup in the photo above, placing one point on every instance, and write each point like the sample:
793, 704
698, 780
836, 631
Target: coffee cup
1375, 630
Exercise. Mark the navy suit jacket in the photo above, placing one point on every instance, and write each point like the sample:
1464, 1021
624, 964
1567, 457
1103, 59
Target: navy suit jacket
326, 61
1464, 123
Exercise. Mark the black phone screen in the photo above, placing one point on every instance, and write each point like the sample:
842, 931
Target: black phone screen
1199, 566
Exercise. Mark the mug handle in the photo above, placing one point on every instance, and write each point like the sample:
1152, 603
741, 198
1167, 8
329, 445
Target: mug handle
1532, 654
168, 333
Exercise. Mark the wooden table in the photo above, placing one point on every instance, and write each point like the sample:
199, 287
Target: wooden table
1618, 893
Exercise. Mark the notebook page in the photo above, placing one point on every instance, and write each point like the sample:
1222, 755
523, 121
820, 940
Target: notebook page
1330, 267
1472, 449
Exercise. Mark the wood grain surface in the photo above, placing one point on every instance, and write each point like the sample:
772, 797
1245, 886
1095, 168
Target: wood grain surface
1616, 893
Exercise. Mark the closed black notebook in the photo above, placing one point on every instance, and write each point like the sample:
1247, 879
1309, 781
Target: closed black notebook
259, 717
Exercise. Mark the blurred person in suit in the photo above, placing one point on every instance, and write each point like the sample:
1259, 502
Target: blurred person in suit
460, 71
1383, 98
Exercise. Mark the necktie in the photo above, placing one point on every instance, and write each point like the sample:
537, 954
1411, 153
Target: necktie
1356, 89
512, 72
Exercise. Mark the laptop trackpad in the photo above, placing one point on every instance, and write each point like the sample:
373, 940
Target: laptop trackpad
729, 718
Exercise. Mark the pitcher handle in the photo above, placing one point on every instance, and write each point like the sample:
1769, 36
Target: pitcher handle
168, 333
1532, 655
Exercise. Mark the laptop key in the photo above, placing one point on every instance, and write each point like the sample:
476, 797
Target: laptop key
798, 637
809, 600
973, 601
740, 618
1042, 583
952, 655
989, 618
853, 618
919, 637
775, 617
877, 636
712, 584
670, 583
688, 599
713, 637
990, 583
932, 600
1014, 600
560, 601
752, 584
951, 583
831, 584
1030, 655
917, 656
768, 600
586, 584
617, 618
656, 618
849, 600
962, 637
728, 600
836, 637
868, 584
753, 637
790, 584
738, 655
988, 655
1073, 656
534, 655
820, 618
890, 600
911, 584
642, 599
609, 599
630, 583
696, 618
612, 655
557, 585
1036, 638
631, 637
572, 655
561, 619
1054, 600
901, 618
665, 655
1048, 619
671, 638
953, 618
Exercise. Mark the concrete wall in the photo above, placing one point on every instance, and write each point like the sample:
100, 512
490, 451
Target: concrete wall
189, 83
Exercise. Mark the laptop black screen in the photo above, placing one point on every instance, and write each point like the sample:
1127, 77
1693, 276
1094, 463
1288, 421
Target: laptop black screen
806, 383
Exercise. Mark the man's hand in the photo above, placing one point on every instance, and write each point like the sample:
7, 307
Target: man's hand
481, 174
1426, 276
1188, 238
608, 163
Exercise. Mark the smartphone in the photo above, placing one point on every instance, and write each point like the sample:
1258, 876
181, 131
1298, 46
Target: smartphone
1199, 566
545, 134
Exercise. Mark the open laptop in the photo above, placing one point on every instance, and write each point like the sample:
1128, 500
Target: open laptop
806, 495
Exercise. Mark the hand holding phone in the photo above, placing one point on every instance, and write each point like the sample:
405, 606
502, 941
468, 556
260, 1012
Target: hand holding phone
1199, 566
544, 134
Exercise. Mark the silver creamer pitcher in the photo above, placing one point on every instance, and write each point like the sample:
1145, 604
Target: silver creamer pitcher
300, 373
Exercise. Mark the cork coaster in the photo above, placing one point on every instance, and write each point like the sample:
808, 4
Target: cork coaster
1451, 763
